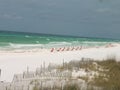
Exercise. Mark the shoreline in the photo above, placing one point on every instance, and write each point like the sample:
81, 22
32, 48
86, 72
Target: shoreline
11, 62
57, 49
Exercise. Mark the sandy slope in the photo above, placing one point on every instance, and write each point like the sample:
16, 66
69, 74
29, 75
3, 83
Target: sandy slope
11, 62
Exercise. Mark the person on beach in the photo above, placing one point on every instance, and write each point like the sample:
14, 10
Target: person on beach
52, 49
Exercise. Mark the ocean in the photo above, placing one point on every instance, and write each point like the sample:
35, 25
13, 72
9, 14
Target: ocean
10, 40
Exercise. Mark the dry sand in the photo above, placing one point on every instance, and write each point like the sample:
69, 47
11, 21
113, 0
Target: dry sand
14, 63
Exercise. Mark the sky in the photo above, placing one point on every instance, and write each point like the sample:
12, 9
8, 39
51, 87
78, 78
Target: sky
86, 18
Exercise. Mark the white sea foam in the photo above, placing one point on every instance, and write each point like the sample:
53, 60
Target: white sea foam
48, 39
12, 46
58, 44
93, 42
89, 43
25, 45
27, 36
37, 42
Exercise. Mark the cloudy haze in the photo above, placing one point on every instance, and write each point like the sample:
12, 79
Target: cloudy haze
88, 18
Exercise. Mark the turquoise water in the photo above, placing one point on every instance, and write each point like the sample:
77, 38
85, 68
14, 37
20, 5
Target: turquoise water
16, 40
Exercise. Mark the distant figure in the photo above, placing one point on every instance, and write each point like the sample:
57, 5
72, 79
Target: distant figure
72, 49
67, 49
52, 49
63, 49
80, 48
59, 49
77, 48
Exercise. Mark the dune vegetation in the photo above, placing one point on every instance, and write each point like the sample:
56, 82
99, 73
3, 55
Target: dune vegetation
108, 73
101, 75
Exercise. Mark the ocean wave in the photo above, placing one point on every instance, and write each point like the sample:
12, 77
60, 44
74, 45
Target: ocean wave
25, 45
94, 42
37, 42
91, 42
27, 36
59, 43
48, 39
38, 45
54, 44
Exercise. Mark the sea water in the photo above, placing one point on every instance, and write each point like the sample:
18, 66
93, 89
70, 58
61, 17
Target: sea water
17, 40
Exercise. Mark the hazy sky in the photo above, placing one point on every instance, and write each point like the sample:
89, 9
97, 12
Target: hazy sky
88, 18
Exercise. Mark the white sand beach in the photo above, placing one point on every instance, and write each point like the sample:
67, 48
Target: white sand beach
14, 62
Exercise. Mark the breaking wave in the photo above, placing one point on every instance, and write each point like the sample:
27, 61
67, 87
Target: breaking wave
25, 45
